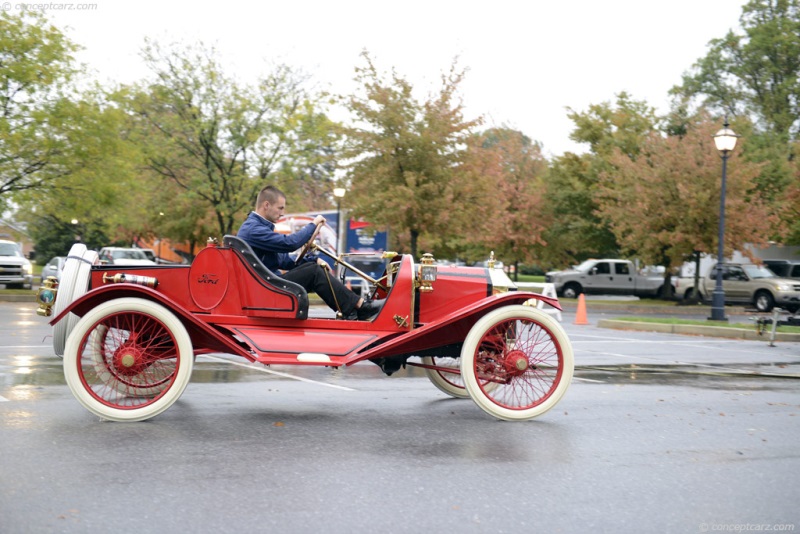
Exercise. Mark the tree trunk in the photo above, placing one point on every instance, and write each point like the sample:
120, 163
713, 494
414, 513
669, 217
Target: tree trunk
696, 295
666, 288
413, 244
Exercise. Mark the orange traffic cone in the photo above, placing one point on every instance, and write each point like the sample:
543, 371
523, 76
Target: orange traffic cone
580, 315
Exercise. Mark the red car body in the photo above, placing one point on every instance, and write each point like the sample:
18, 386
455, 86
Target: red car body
228, 302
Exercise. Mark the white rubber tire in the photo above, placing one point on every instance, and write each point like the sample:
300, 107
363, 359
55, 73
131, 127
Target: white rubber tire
506, 400
64, 296
449, 383
81, 284
105, 399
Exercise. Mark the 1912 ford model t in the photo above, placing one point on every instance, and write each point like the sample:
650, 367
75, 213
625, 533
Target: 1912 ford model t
129, 335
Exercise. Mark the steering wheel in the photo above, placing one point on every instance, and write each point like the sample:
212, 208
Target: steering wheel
309, 244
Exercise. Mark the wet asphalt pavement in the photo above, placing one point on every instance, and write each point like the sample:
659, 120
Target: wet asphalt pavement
658, 433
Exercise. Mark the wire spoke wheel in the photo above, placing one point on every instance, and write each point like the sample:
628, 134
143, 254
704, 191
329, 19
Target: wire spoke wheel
128, 359
516, 363
450, 383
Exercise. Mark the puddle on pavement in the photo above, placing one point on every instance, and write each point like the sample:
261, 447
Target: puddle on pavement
766, 377
30, 371
49, 371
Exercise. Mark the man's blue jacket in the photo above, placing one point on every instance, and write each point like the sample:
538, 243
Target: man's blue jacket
271, 247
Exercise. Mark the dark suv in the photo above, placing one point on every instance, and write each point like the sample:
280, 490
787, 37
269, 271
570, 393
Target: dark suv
784, 268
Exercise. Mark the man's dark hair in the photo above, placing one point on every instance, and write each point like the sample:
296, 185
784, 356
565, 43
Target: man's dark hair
269, 194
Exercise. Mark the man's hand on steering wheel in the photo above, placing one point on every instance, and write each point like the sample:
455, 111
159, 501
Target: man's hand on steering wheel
319, 220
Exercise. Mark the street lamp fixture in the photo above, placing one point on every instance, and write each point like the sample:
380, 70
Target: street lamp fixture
725, 141
76, 229
339, 192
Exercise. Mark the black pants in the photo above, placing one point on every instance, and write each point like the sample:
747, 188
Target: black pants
314, 278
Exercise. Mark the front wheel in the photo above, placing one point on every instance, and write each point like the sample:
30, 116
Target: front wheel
516, 363
128, 359
764, 301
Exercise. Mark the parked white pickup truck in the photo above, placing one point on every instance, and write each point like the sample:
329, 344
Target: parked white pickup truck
607, 277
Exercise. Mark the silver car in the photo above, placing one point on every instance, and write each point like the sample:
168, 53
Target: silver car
54, 267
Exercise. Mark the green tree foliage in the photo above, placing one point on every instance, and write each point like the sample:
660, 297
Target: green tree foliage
217, 142
307, 175
100, 186
54, 236
621, 126
36, 67
407, 158
64, 157
756, 72
664, 204
577, 231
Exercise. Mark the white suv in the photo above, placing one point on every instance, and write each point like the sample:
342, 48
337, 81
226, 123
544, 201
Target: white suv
16, 272
124, 256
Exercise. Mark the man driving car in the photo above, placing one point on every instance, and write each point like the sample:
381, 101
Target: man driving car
273, 249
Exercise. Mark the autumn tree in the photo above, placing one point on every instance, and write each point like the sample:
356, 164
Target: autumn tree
755, 73
513, 165
790, 209
663, 205
217, 141
36, 69
405, 157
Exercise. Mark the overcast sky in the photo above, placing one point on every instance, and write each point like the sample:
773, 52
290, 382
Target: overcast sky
527, 60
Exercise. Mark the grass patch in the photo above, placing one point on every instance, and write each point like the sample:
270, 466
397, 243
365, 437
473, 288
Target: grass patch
746, 326
528, 278
644, 303
18, 291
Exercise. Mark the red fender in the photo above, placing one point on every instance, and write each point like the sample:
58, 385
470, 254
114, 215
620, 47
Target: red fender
451, 328
204, 337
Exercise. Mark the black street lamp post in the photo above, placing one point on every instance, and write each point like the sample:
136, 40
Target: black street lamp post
725, 141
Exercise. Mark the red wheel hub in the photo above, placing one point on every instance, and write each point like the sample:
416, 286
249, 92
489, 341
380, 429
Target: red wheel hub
516, 362
129, 360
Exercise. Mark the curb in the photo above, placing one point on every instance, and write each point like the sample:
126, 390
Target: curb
672, 310
696, 330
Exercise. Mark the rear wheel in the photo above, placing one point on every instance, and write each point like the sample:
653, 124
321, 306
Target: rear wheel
516, 363
572, 290
691, 295
128, 359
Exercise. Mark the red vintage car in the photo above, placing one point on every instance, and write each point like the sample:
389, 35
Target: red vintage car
129, 335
